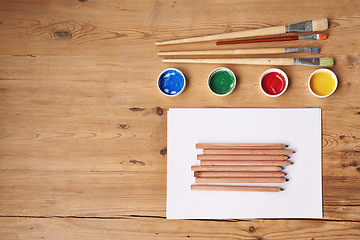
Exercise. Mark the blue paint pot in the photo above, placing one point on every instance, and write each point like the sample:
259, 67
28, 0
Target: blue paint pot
171, 82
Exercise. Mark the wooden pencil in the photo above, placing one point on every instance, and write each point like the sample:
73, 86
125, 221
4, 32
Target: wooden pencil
229, 157
281, 163
225, 168
240, 146
239, 174
204, 187
250, 151
240, 180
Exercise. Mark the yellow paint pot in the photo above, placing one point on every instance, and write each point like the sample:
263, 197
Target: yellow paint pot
322, 83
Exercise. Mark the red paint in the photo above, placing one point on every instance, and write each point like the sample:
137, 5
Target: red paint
273, 83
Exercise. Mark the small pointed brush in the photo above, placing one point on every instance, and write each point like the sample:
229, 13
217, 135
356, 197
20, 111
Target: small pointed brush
325, 62
321, 36
243, 51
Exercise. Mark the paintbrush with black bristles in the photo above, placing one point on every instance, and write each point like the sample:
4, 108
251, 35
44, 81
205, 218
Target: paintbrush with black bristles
243, 51
325, 62
307, 26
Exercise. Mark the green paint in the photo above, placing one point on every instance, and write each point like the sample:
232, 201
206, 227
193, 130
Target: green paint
222, 81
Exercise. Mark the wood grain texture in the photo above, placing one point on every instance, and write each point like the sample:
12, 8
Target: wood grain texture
83, 126
153, 227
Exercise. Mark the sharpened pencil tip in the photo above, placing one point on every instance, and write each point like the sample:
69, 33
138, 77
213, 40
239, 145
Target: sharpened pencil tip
286, 146
281, 189
286, 179
282, 168
291, 163
285, 174
294, 152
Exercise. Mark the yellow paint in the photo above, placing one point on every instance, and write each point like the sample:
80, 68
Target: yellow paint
322, 83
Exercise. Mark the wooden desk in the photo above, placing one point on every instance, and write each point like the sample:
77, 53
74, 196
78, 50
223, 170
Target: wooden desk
83, 126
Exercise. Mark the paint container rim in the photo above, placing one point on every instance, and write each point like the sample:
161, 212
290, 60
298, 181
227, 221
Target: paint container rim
333, 75
159, 78
278, 71
217, 70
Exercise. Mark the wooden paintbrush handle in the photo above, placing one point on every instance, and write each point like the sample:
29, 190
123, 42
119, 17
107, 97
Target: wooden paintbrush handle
223, 36
259, 40
226, 52
250, 61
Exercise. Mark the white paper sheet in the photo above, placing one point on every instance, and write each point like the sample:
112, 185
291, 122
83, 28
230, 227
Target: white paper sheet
298, 128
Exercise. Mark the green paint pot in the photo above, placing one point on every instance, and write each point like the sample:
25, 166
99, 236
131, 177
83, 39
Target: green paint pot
221, 81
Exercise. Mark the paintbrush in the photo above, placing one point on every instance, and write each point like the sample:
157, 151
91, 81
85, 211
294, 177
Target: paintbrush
326, 62
307, 26
243, 51
321, 36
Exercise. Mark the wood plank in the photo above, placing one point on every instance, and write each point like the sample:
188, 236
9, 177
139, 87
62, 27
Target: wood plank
148, 227
103, 136
106, 194
110, 79
66, 193
78, 27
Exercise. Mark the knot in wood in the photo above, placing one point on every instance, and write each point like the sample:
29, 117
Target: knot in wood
163, 151
159, 111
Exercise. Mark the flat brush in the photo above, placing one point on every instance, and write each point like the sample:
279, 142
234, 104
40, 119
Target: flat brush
307, 26
325, 62
321, 36
243, 51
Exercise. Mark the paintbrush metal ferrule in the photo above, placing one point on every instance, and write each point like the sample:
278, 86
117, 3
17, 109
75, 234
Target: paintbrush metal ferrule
326, 62
302, 49
305, 26
307, 61
311, 36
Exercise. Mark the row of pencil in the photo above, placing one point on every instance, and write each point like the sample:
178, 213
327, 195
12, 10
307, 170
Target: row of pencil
241, 163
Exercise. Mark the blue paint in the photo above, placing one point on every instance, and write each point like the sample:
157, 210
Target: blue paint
171, 81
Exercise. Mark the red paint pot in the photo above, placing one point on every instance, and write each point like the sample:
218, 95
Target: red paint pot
273, 82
